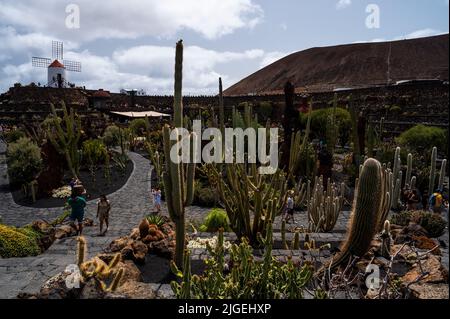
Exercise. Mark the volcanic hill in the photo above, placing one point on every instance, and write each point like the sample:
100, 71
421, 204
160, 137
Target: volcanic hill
351, 66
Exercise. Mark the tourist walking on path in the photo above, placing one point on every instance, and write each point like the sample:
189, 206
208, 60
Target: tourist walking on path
77, 202
289, 210
156, 192
103, 209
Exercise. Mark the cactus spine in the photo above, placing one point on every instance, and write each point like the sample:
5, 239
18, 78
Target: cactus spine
66, 140
179, 188
367, 209
432, 171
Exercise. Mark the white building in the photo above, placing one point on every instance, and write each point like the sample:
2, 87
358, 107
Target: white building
57, 77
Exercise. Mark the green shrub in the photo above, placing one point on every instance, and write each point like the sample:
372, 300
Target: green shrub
319, 120
434, 224
94, 152
265, 110
155, 220
24, 161
205, 197
18, 242
401, 219
421, 138
111, 136
14, 135
137, 126
217, 218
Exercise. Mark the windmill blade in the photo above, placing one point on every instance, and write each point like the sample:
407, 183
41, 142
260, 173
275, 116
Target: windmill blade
57, 50
72, 66
40, 62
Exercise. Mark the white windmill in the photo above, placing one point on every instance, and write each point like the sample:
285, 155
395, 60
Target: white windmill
57, 66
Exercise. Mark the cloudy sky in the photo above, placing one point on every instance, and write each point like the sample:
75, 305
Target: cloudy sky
130, 43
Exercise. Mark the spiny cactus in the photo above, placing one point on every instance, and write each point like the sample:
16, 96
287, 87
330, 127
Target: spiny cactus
386, 240
432, 171
81, 250
97, 268
367, 208
283, 235
297, 148
246, 277
324, 206
65, 140
355, 140
295, 245
409, 171
243, 191
178, 186
442, 175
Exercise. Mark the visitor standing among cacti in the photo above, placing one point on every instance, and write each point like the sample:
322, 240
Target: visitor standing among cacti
103, 209
156, 193
289, 209
77, 202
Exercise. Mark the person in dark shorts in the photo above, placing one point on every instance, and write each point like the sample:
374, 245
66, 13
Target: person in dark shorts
77, 202
289, 209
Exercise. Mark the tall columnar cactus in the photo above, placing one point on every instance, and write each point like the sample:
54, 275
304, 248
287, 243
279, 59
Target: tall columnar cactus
332, 127
442, 175
386, 240
283, 235
366, 214
295, 245
409, 171
178, 186
324, 206
432, 181
221, 108
297, 154
355, 140
397, 177
65, 136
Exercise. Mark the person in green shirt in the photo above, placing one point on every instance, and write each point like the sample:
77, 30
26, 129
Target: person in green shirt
77, 203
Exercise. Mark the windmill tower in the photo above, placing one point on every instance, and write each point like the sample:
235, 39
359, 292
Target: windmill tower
57, 66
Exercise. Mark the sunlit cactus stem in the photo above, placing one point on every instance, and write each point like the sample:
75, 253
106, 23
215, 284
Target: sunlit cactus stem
442, 175
178, 186
366, 214
432, 171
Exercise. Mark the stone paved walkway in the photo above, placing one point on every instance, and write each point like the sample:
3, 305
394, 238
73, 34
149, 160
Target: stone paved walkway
129, 205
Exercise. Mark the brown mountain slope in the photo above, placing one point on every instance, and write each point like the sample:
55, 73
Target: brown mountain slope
351, 66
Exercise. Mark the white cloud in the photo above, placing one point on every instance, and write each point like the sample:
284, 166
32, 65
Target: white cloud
272, 57
283, 26
342, 4
147, 67
428, 32
413, 35
132, 18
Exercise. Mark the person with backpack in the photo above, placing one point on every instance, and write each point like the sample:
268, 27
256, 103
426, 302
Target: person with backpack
436, 202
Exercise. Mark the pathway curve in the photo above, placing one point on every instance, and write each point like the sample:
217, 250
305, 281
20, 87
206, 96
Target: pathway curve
129, 205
